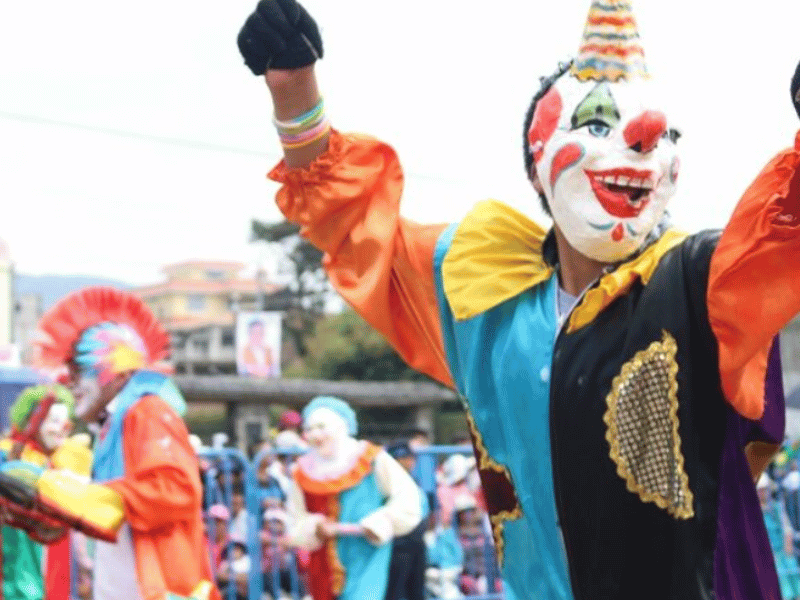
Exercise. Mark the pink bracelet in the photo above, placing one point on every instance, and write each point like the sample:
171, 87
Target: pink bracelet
307, 137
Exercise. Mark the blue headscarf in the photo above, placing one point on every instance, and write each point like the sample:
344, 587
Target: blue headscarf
337, 405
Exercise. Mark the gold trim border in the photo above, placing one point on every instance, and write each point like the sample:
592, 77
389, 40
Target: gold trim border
670, 347
338, 572
487, 462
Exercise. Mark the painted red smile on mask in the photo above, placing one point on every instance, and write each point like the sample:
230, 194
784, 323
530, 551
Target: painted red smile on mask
623, 193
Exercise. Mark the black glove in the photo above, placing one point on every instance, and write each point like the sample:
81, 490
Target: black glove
795, 89
280, 34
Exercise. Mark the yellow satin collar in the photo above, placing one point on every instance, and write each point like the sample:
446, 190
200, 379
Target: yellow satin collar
496, 254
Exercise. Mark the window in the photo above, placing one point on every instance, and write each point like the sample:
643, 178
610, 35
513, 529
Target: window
253, 433
196, 302
215, 275
228, 337
200, 344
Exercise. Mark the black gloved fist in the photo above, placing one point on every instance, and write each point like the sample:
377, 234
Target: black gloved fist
280, 34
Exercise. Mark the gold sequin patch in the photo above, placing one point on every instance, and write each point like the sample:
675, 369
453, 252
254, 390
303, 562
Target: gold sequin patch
642, 421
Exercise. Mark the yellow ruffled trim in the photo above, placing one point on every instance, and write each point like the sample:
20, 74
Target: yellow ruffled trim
619, 281
486, 462
495, 255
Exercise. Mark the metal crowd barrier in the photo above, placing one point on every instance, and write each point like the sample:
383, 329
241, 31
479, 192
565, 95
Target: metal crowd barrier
788, 567
230, 469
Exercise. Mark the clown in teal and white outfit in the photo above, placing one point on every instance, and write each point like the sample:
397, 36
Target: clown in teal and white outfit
349, 498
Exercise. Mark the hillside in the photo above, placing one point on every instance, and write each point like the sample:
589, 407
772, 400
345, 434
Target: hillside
53, 287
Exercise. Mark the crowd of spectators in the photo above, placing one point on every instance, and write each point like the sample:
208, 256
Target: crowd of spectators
779, 493
449, 555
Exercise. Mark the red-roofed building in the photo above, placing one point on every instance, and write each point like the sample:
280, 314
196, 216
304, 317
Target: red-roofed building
197, 304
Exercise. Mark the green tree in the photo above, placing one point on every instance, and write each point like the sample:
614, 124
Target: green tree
345, 347
304, 299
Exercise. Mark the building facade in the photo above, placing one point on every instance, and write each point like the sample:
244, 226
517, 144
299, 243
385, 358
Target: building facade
197, 304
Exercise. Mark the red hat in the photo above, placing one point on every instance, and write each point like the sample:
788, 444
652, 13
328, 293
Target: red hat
291, 418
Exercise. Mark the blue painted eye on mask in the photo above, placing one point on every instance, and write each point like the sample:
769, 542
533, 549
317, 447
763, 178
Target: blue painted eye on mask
598, 129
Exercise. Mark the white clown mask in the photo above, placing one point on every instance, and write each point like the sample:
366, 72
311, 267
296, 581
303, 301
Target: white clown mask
326, 432
56, 427
607, 163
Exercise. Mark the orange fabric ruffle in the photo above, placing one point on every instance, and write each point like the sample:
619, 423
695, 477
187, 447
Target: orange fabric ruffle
753, 287
347, 203
361, 468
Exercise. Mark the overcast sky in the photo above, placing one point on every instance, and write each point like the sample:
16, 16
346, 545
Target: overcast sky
132, 136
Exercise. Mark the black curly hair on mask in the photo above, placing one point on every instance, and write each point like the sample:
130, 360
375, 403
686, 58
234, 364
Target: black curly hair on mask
545, 83
795, 90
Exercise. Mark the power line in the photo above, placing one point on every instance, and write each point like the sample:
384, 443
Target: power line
173, 141
185, 143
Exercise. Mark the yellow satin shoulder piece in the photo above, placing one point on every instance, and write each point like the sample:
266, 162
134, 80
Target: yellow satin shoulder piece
74, 456
495, 255
98, 506
619, 281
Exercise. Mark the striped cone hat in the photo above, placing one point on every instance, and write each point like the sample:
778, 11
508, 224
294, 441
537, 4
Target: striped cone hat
611, 49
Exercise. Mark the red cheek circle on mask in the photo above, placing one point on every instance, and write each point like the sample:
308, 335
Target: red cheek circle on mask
545, 121
564, 159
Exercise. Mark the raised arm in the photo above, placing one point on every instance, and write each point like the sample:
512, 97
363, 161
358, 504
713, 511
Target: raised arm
754, 288
344, 191
281, 41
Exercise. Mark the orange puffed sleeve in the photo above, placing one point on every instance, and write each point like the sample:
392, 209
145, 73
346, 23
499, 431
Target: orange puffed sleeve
347, 203
161, 484
754, 279
162, 495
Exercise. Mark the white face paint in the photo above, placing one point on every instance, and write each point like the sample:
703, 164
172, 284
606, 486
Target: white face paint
56, 426
87, 396
325, 431
606, 163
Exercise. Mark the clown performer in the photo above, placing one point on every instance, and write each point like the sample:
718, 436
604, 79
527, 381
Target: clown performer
32, 570
618, 375
348, 500
111, 344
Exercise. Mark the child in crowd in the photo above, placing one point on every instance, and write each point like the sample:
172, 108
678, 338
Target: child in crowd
477, 546
284, 568
234, 568
218, 537
289, 436
780, 536
239, 517
269, 487
445, 560
454, 482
